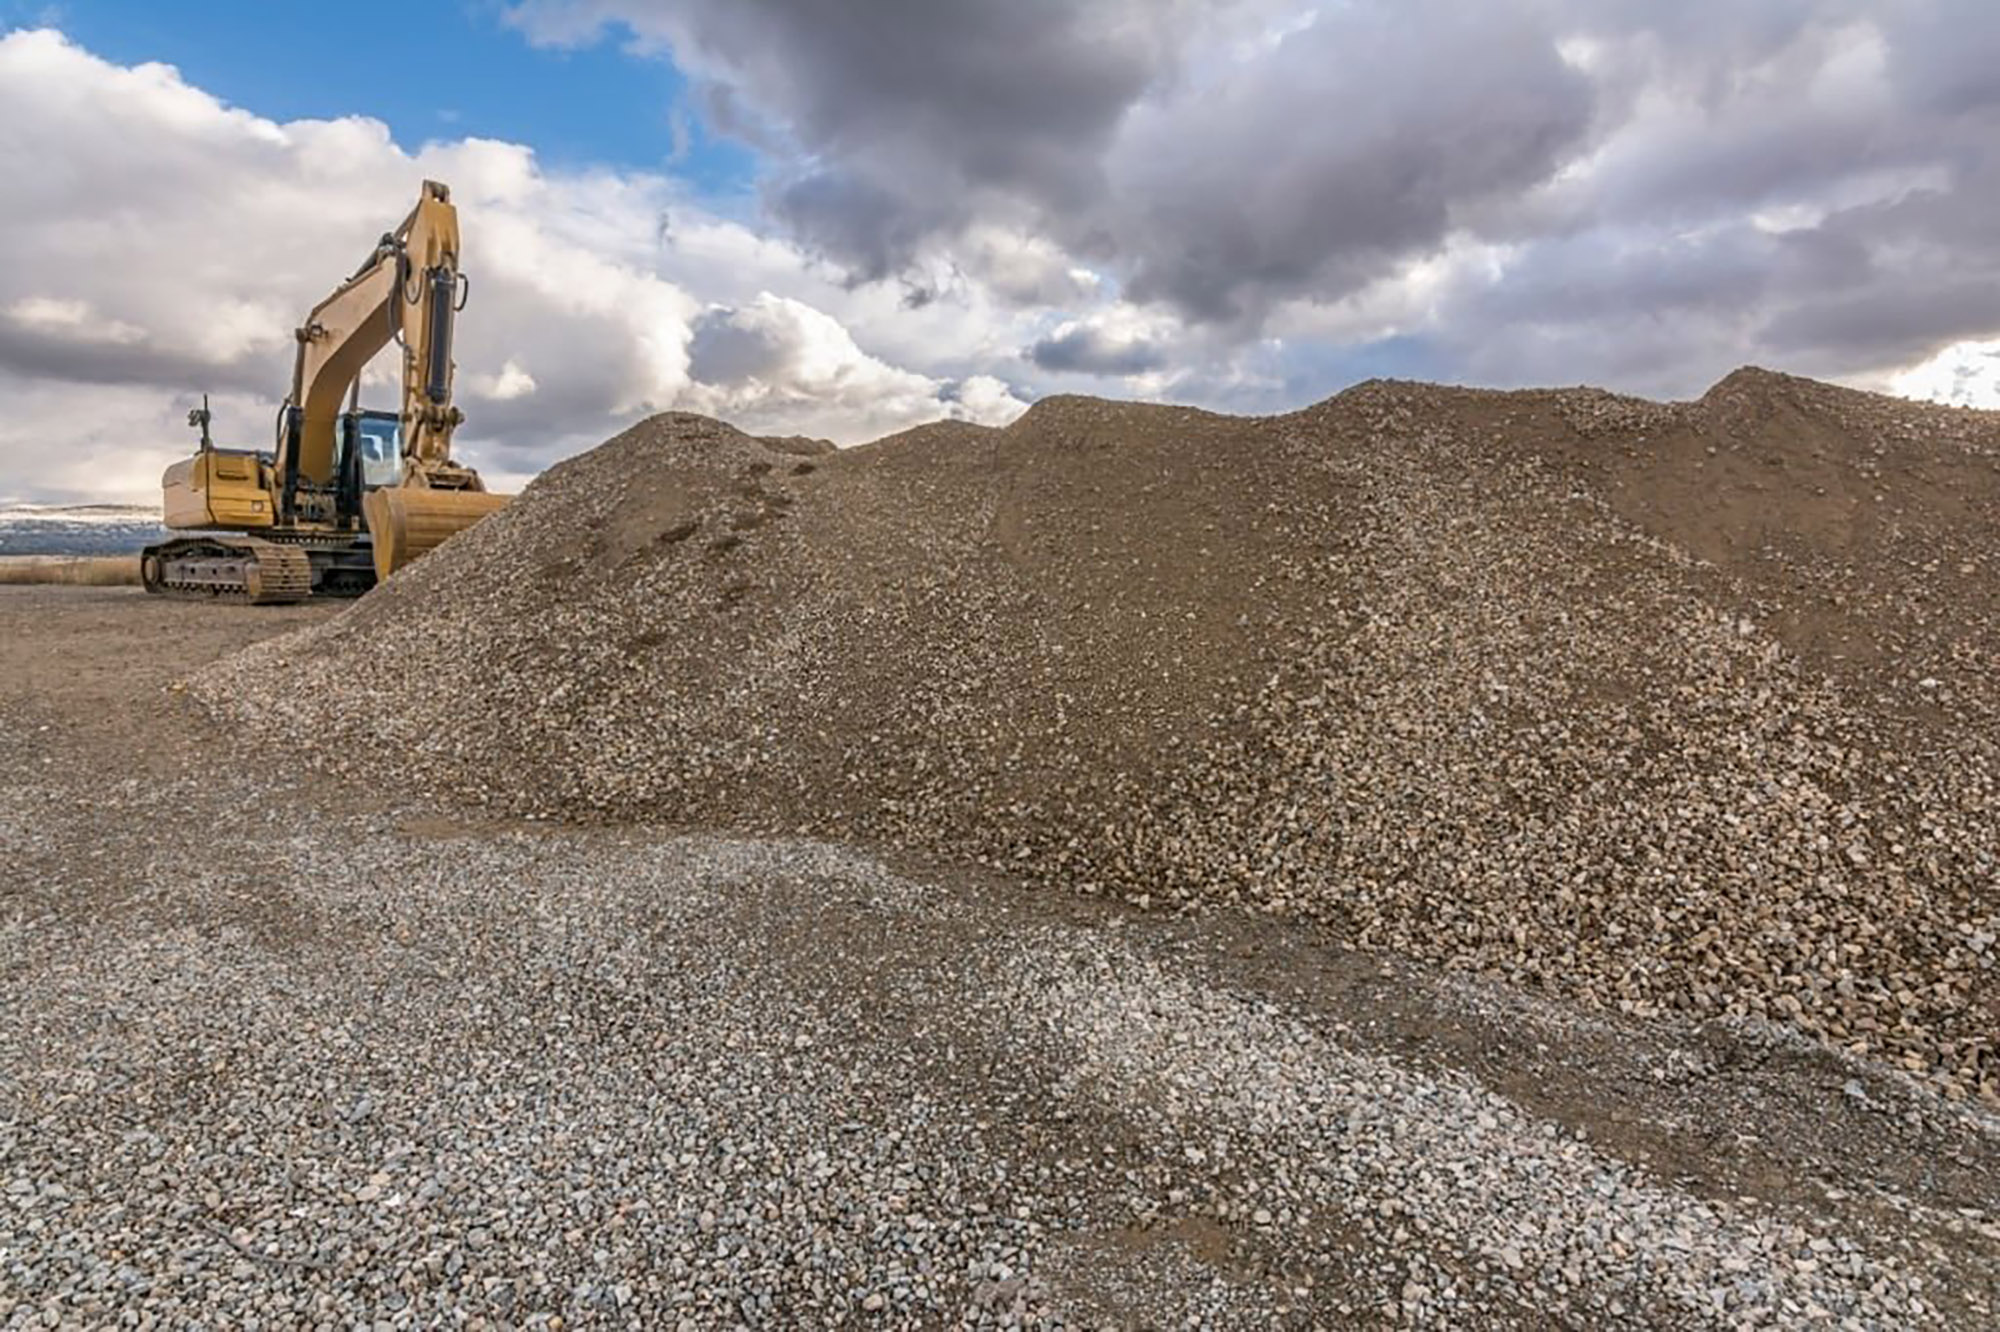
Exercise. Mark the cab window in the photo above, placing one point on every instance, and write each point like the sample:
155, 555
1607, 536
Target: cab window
381, 451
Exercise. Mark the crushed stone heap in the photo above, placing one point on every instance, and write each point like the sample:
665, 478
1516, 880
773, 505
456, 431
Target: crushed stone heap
1679, 707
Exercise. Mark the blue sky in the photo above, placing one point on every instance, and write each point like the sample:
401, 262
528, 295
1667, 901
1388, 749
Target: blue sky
438, 69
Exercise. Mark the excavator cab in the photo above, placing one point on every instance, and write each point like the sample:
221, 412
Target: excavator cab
368, 455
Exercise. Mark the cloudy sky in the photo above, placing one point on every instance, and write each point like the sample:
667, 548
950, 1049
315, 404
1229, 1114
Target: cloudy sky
843, 217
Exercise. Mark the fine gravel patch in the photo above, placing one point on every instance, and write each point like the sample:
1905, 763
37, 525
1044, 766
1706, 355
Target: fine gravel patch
1674, 708
499, 1094
526, 1077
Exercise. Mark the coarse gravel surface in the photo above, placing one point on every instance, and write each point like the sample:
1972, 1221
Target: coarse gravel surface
288, 1050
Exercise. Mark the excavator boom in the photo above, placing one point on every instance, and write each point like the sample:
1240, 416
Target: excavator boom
407, 291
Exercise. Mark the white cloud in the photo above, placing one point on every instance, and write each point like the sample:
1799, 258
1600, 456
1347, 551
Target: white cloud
987, 401
1965, 374
70, 319
105, 442
774, 364
48, 312
1118, 339
512, 382
1025, 268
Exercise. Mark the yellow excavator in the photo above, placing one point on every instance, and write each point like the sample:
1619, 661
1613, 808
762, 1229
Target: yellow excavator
346, 497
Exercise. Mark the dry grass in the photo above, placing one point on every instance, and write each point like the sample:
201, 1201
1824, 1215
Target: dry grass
76, 571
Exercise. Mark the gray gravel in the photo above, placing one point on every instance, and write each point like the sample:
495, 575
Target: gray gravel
519, 1078
1492, 1206
323, 1068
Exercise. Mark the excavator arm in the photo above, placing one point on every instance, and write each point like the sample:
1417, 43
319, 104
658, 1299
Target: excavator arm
407, 291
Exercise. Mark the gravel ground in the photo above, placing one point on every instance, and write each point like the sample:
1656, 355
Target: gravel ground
307, 1053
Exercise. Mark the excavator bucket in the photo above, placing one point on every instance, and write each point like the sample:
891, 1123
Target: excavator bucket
408, 521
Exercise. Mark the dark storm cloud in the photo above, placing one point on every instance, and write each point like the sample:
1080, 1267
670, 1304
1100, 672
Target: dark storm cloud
581, 394
870, 230
1089, 351
1660, 190
725, 350
931, 109
1945, 58
1131, 131
73, 356
1811, 186
1354, 142
907, 105
1595, 278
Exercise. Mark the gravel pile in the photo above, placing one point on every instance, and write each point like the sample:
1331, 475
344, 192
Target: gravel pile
1680, 708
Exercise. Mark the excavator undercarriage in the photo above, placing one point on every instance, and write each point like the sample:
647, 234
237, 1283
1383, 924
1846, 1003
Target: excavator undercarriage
256, 570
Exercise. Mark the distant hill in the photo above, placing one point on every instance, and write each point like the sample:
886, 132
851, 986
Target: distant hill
77, 529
